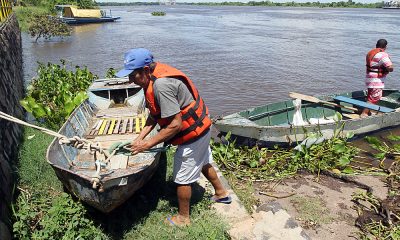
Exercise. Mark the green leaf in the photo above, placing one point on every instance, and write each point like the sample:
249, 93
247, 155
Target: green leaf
228, 136
69, 107
374, 141
337, 117
25, 104
348, 170
339, 148
349, 135
344, 160
253, 164
393, 137
80, 97
380, 155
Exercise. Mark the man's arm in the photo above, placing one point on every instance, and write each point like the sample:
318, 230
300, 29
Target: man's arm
163, 135
150, 124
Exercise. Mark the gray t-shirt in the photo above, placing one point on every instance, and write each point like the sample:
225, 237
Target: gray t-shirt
171, 95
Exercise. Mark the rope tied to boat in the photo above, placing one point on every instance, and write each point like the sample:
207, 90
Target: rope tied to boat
92, 147
76, 142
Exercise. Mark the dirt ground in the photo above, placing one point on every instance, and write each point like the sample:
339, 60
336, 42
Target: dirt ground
322, 207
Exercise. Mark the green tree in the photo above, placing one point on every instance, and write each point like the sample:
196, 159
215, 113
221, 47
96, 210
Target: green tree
42, 25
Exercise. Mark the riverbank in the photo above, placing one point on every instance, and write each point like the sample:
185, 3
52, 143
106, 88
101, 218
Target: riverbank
24, 15
327, 204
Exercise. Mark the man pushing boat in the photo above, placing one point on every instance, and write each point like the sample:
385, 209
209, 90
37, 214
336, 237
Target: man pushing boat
378, 65
175, 104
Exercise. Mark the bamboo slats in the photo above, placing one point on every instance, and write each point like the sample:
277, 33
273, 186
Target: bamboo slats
5, 9
109, 126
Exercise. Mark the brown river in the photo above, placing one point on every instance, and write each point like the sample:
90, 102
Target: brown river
238, 57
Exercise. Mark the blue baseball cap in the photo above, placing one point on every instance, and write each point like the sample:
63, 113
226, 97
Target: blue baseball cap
134, 59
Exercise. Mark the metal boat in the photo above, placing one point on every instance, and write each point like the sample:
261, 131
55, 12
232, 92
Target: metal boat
114, 112
273, 124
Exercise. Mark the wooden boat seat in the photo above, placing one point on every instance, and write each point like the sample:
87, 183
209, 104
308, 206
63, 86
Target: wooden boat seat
364, 104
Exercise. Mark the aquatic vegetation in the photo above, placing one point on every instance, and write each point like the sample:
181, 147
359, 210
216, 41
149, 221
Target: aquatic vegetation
158, 13
56, 92
380, 218
262, 163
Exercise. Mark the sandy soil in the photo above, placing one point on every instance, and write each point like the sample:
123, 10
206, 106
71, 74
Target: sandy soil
322, 207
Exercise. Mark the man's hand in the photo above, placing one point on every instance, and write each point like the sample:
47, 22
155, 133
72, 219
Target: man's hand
139, 146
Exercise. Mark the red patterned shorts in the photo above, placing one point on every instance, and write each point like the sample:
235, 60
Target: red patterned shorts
374, 95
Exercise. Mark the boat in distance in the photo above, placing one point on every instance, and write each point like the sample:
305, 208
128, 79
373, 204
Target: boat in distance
114, 112
275, 123
70, 14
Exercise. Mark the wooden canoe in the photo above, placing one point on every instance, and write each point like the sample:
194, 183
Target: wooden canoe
272, 124
108, 116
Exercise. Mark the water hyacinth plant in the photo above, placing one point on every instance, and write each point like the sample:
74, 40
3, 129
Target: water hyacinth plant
56, 92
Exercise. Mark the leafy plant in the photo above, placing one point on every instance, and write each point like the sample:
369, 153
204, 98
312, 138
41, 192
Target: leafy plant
158, 13
56, 92
43, 25
110, 73
263, 163
43, 216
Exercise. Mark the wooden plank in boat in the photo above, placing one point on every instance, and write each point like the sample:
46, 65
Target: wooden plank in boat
131, 125
143, 121
110, 130
137, 125
123, 130
107, 126
351, 115
99, 124
116, 129
103, 125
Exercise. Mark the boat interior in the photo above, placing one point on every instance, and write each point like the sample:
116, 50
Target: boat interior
120, 121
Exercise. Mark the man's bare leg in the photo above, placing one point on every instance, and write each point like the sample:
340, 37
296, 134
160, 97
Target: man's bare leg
184, 193
211, 175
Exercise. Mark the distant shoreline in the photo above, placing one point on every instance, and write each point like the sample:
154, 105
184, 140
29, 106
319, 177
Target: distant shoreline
341, 4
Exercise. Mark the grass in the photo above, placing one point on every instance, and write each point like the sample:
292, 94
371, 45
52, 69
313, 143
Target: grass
245, 192
24, 14
33, 169
312, 210
42, 201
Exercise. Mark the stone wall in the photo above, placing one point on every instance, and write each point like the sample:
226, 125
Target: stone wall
11, 91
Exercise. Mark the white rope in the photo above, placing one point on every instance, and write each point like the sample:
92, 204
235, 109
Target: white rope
77, 142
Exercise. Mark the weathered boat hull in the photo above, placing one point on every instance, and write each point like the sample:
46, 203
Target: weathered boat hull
251, 132
76, 168
89, 20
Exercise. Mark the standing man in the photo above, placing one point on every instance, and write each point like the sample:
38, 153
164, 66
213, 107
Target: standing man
175, 104
378, 66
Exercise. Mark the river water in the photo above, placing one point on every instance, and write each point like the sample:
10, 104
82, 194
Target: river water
238, 57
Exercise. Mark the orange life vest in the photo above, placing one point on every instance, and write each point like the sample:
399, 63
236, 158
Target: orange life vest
195, 119
381, 70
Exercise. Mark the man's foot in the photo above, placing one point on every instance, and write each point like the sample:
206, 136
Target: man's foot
177, 220
225, 198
